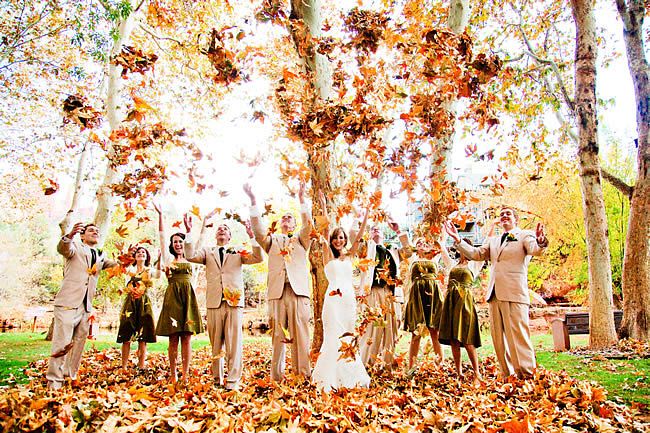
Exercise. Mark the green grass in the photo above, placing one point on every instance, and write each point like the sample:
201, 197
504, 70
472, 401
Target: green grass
625, 380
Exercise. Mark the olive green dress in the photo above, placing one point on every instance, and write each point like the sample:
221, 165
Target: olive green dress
180, 311
459, 320
425, 298
136, 317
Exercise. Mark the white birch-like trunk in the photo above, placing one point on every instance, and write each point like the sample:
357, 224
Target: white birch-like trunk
636, 261
601, 323
66, 222
105, 199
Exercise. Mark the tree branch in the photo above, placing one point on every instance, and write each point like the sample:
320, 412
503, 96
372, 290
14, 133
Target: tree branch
624, 188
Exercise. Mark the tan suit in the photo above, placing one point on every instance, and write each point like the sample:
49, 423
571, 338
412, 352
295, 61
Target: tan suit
508, 297
72, 306
288, 292
378, 342
224, 319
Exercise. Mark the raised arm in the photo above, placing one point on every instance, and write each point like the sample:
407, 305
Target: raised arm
357, 240
405, 249
192, 254
536, 245
257, 256
305, 217
471, 252
66, 247
164, 254
259, 229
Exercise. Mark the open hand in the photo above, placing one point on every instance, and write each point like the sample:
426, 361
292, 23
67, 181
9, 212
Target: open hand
451, 230
187, 220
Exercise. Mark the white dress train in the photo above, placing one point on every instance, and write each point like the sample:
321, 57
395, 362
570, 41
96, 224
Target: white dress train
339, 316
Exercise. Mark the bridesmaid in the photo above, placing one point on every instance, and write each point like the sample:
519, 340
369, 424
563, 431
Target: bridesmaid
179, 318
136, 317
459, 325
424, 303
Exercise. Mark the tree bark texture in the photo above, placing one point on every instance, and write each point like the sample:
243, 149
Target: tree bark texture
320, 73
64, 225
636, 261
601, 324
105, 198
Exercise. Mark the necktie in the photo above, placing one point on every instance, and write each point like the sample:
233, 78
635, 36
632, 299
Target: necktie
221, 256
503, 237
93, 257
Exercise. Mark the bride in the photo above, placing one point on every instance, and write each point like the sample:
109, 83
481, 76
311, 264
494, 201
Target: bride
339, 365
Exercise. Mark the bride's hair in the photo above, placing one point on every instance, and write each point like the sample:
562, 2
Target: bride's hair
334, 234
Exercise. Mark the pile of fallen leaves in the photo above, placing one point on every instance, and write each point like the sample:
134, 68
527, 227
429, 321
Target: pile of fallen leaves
624, 349
427, 399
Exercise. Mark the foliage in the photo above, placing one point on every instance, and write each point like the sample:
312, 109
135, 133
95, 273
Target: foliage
426, 399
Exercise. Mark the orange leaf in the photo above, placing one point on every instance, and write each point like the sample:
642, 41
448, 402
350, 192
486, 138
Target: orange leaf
122, 231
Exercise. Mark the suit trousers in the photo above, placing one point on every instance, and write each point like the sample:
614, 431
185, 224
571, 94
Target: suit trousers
290, 312
509, 326
68, 340
378, 342
225, 331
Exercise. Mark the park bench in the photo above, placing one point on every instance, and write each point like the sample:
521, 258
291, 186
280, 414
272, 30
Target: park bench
575, 324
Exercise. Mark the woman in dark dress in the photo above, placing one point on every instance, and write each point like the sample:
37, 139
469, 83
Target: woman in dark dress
459, 325
424, 302
136, 317
180, 317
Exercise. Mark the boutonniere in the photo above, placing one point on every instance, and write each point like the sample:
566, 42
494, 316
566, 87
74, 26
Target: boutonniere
511, 238
99, 252
290, 235
231, 250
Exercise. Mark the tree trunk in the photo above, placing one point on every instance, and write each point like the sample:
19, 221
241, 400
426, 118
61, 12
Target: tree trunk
636, 272
601, 324
105, 198
64, 225
457, 21
320, 72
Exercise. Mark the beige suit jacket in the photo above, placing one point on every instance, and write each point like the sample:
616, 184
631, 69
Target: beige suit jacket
509, 264
77, 280
294, 264
222, 276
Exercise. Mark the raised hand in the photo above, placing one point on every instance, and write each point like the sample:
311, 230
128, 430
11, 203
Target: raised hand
394, 226
77, 228
539, 233
249, 229
249, 192
451, 230
187, 220
301, 192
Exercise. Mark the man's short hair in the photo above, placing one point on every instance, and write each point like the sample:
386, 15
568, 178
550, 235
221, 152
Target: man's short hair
514, 211
83, 230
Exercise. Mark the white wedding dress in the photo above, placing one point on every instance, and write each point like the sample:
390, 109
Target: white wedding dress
339, 316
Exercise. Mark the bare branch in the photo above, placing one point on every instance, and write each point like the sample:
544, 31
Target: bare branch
619, 184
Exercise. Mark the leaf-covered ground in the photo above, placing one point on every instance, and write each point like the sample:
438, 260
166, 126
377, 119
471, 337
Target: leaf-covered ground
429, 399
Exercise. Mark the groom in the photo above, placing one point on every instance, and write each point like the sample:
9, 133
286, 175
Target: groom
507, 295
288, 285
224, 299
74, 302
378, 284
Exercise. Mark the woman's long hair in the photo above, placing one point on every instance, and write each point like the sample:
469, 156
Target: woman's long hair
334, 234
